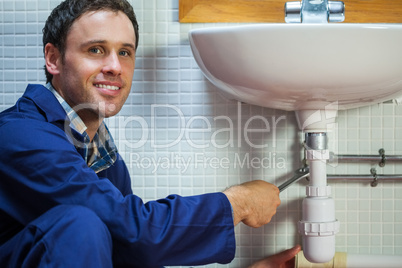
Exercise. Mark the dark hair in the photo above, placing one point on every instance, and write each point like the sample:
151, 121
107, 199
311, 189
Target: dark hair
63, 16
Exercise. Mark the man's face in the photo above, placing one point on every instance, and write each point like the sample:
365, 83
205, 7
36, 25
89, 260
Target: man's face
96, 73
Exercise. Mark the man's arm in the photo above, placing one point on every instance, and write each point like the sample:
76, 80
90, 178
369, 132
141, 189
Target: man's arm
40, 169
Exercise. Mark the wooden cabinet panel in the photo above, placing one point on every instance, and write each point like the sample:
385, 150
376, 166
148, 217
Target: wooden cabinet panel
375, 11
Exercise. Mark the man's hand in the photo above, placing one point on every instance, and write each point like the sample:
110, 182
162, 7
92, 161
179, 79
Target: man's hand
284, 259
254, 203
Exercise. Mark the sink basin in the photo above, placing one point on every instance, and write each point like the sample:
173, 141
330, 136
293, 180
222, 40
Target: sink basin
302, 66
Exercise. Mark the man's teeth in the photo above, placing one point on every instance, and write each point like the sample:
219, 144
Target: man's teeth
107, 87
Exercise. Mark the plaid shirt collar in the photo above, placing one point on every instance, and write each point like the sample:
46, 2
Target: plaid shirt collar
99, 154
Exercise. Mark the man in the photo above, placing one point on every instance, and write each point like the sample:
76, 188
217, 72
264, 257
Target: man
65, 192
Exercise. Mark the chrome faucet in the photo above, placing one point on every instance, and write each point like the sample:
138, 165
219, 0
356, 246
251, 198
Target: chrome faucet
314, 11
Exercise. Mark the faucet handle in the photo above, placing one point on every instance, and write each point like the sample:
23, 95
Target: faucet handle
336, 11
293, 12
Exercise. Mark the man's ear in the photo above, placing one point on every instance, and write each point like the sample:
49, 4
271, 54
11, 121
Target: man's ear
52, 58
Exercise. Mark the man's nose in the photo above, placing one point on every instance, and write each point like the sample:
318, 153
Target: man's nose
112, 64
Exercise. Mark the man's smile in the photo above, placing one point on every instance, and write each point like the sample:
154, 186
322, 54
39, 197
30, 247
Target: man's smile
107, 86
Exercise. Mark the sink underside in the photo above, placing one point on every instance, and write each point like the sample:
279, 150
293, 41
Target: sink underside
302, 66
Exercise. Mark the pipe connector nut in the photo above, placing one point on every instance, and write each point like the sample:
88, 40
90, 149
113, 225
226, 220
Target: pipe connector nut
317, 155
318, 191
319, 228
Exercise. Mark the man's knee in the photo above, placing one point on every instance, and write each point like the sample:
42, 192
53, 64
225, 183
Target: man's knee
84, 231
83, 221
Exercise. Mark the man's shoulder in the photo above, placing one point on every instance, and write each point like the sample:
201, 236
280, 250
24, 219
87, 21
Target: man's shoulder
28, 117
37, 103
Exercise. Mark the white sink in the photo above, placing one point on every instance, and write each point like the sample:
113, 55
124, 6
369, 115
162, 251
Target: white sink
302, 66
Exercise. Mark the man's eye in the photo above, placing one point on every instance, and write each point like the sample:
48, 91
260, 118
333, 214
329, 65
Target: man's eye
95, 50
124, 53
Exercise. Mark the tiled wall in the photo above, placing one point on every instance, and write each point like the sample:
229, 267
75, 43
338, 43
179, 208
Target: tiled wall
179, 136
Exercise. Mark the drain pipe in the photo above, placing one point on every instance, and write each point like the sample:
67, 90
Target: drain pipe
345, 260
318, 225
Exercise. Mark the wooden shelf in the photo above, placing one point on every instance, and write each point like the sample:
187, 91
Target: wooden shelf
357, 11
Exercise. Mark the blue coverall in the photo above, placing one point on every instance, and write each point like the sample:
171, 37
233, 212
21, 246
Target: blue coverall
57, 212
